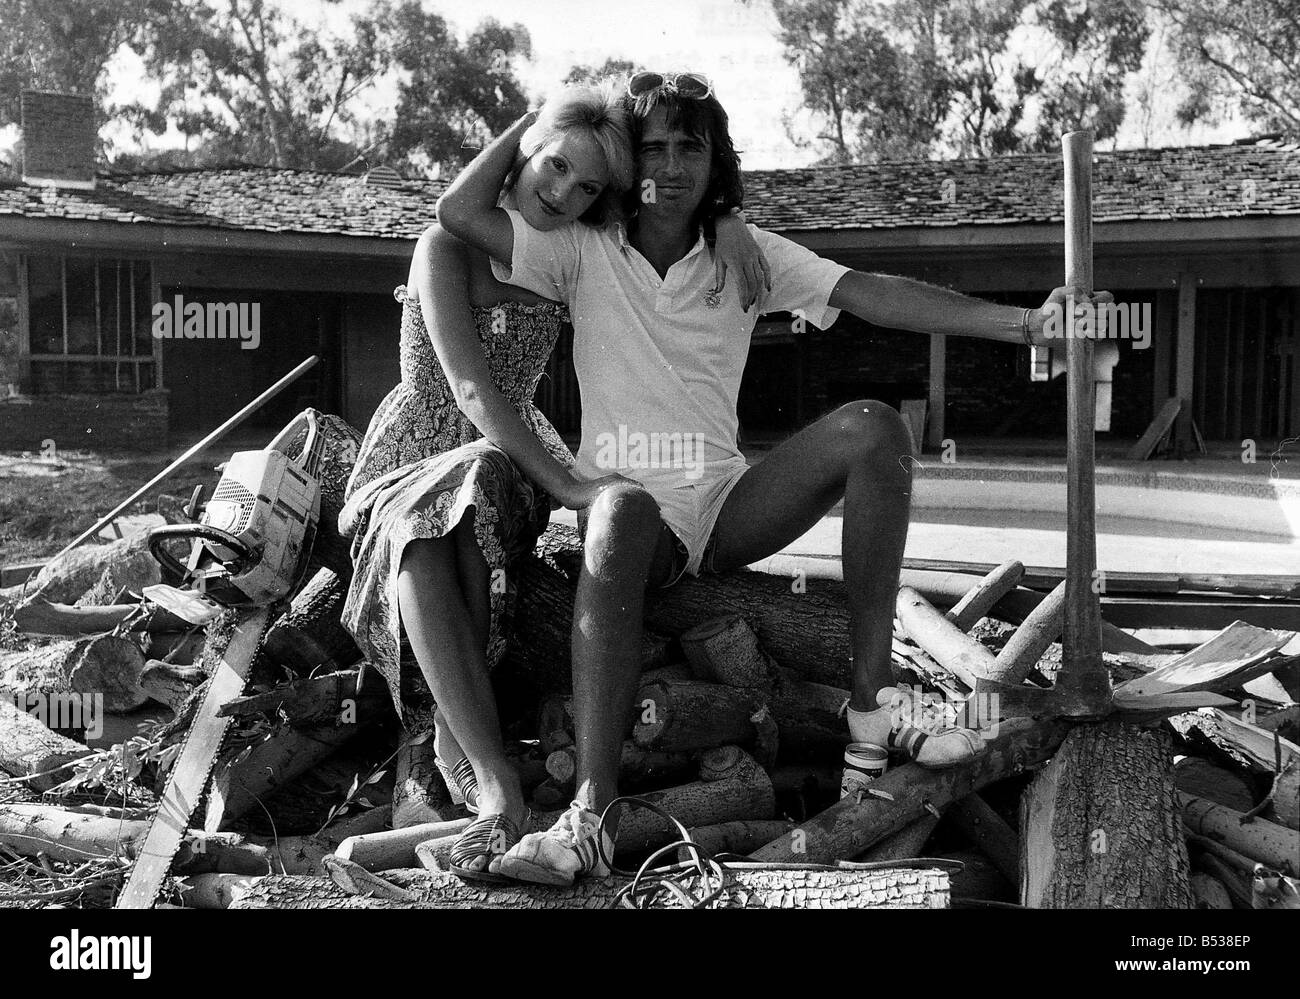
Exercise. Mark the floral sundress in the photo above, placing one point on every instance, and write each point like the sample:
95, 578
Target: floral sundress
423, 465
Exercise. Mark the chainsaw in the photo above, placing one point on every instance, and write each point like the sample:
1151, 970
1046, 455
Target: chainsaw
249, 549
251, 544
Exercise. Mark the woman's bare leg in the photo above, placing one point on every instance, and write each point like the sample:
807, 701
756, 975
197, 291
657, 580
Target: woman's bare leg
441, 600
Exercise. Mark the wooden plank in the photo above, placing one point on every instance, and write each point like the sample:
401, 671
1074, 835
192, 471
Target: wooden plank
1163, 347
1198, 614
1238, 366
1236, 654
1157, 429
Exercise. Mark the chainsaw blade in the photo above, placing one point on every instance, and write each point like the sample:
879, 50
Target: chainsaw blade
193, 766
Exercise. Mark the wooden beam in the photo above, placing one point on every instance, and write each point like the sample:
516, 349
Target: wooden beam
1162, 346
938, 389
1185, 365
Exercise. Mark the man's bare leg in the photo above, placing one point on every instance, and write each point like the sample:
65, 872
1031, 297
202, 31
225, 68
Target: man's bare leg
624, 548
861, 452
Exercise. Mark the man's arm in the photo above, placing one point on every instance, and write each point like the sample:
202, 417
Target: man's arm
904, 304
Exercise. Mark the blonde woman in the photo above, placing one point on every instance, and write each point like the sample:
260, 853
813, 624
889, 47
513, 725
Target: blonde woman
459, 471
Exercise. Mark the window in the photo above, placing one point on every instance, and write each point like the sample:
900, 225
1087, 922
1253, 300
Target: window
88, 322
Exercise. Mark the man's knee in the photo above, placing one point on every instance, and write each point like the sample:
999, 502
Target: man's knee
622, 511
870, 430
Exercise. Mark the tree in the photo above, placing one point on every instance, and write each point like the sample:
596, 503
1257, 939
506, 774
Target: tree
1238, 55
613, 68
454, 98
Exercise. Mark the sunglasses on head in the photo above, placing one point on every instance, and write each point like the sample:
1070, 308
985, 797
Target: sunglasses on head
690, 85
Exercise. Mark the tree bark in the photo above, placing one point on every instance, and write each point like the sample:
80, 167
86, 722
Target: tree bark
316, 700
690, 715
1266, 842
27, 748
747, 888
740, 837
309, 635
981, 598
107, 665
170, 684
1100, 825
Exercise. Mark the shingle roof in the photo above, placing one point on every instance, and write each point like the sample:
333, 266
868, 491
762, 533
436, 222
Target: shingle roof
1194, 182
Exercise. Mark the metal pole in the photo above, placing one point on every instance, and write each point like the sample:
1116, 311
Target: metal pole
229, 425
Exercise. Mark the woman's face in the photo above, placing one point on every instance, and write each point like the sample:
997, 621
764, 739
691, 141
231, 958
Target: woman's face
561, 181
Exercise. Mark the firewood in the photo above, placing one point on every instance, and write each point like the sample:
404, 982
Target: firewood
1236, 883
951, 648
186, 647
1209, 892
638, 767
420, 794
690, 715
340, 443
1236, 654
808, 716
747, 887
214, 891
1215, 783
900, 797
65, 579
1036, 633
170, 684
315, 700
1259, 839
28, 748
726, 650
1099, 824
734, 837
395, 848
988, 831
309, 635
981, 598
240, 781
106, 665
908, 842
41, 617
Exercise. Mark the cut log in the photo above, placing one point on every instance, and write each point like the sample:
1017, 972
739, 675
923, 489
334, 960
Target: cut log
638, 767
395, 848
28, 748
725, 650
40, 617
315, 700
908, 842
925, 887
690, 715
980, 599
288, 753
170, 684
1099, 824
847, 828
1036, 633
214, 891
309, 635
1236, 884
988, 831
951, 648
107, 666
1209, 892
1266, 842
1218, 784
808, 716
420, 794
65, 579
734, 837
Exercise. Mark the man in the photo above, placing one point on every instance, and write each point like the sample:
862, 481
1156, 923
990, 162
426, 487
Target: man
659, 359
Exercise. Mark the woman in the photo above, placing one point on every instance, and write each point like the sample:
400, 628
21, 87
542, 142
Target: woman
459, 471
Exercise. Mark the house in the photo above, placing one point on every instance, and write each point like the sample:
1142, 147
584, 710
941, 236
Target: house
1207, 238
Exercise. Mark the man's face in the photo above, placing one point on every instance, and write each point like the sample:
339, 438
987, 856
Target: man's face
678, 166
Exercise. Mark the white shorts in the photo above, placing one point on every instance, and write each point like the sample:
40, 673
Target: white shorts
691, 512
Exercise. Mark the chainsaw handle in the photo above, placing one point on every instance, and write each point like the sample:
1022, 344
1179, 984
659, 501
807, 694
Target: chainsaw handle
203, 532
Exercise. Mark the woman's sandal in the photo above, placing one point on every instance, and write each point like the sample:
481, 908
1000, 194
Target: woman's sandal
462, 784
485, 840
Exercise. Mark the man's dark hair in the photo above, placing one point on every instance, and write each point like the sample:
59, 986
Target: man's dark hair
702, 119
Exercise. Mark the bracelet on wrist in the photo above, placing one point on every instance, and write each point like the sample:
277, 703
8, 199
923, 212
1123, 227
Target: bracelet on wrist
1025, 333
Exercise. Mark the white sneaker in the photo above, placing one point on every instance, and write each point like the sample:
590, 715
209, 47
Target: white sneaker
565, 851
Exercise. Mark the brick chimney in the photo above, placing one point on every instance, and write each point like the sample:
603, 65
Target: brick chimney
59, 137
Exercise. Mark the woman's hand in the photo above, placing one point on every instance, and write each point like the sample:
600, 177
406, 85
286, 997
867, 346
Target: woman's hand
578, 494
1051, 325
736, 250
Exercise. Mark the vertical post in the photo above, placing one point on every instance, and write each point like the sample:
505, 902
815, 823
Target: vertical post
1083, 679
1185, 363
938, 389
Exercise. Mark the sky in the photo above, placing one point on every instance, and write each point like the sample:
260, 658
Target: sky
734, 44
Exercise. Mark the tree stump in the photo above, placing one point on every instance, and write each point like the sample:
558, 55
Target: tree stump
1100, 825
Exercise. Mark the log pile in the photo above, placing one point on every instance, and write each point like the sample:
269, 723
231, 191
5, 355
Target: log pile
736, 731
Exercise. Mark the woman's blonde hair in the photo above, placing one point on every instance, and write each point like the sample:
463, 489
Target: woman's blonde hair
598, 110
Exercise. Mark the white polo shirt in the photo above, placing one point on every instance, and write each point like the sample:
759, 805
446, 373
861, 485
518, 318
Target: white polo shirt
653, 358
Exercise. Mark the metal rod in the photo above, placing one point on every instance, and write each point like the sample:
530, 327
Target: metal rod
1083, 677
230, 424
